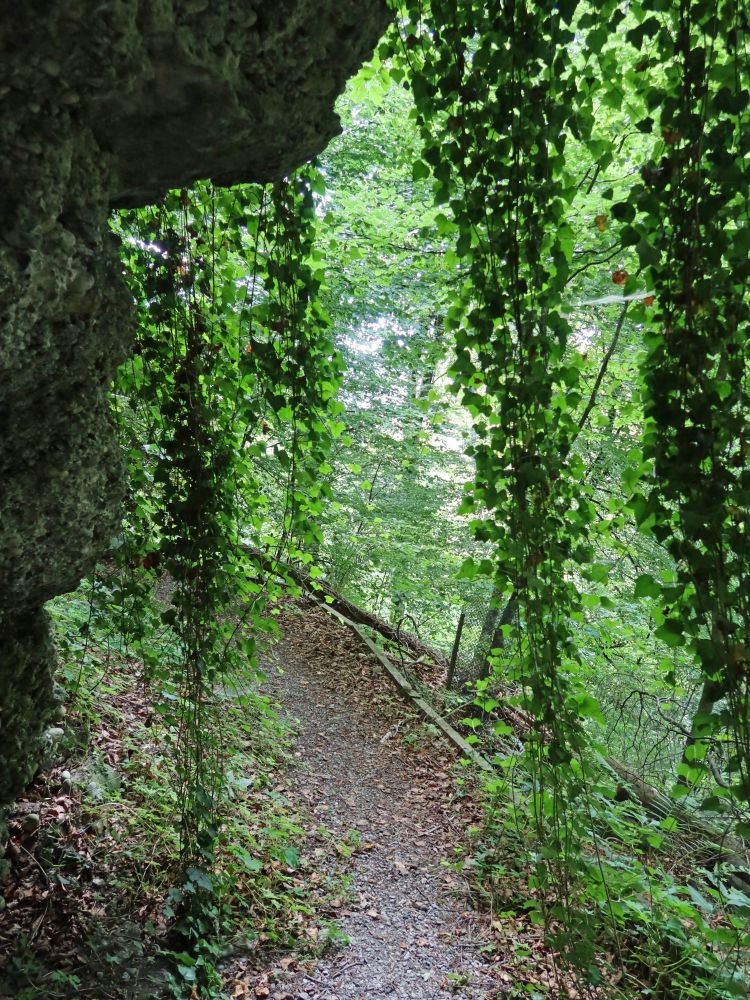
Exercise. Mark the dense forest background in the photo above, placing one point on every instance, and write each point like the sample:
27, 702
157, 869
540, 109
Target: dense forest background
484, 364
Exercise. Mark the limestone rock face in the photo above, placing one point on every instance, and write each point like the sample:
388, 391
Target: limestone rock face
234, 90
108, 103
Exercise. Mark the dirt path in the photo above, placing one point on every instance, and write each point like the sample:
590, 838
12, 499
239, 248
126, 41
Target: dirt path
411, 935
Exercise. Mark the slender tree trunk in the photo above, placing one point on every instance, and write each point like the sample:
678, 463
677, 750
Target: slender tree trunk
498, 636
492, 636
488, 630
711, 692
454, 651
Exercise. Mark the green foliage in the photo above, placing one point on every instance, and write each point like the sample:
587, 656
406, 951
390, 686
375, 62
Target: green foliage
690, 227
497, 96
255, 893
509, 101
233, 363
668, 936
540, 211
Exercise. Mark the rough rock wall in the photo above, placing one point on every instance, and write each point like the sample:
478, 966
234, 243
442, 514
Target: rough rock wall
107, 103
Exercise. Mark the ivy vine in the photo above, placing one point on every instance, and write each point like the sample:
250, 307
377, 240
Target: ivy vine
689, 221
234, 361
500, 89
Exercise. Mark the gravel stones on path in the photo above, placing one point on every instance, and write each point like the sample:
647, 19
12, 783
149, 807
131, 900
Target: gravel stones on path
411, 934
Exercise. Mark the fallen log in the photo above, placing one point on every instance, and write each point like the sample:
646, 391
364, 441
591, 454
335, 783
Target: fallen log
322, 590
711, 845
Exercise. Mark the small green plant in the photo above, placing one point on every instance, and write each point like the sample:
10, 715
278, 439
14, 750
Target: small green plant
421, 736
331, 936
33, 982
457, 981
56, 984
350, 843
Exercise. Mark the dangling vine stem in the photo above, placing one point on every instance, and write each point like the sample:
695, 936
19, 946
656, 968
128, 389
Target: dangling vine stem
497, 96
229, 366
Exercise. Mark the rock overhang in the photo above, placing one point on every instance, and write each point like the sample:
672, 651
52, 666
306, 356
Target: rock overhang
106, 104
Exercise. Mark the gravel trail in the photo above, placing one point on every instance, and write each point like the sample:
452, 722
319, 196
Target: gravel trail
411, 935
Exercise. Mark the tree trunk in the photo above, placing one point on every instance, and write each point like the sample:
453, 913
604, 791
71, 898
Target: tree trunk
711, 693
492, 636
454, 651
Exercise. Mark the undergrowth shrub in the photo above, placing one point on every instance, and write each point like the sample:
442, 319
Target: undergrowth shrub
636, 911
